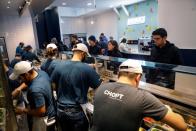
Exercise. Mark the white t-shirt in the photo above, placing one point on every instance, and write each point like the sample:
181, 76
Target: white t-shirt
123, 47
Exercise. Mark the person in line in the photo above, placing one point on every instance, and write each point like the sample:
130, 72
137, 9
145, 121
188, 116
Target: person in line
94, 48
123, 45
104, 45
121, 106
74, 40
72, 79
164, 51
39, 96
113, 49
29, 55
105, 39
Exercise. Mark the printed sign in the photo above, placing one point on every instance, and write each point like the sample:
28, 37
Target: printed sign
136, 20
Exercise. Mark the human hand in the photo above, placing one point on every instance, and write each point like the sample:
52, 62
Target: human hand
168, 107
19, 110
16, 93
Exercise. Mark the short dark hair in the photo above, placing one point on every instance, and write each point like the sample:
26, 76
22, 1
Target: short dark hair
124, 40
21, 43
127, 74
160, 31
92, 38
28, 48
74, 36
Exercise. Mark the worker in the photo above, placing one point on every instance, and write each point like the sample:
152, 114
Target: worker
39, 96
121, 106
72, 79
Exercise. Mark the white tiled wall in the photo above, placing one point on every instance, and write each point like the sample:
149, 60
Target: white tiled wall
16, 29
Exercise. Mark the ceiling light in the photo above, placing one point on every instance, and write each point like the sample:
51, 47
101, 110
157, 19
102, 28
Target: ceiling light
89, 4
111, 6
92, 22
8, 2
64, 3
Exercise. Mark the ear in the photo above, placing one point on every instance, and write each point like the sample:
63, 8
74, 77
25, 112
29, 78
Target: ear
83, 53
138, 78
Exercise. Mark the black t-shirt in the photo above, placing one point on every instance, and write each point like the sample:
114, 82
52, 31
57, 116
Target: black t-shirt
119, 107
30, 56
115, 54
168, 54
95, 50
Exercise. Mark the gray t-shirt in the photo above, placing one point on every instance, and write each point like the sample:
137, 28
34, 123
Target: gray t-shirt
119, 107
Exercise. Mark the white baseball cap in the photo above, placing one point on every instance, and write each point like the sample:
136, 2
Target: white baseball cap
52, 45
132, 66
81, 47
20, 68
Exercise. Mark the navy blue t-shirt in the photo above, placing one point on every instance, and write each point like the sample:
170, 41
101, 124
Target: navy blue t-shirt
14, 62
94, 50
49, 65
30, 56
19, 50
73, 79
39, 93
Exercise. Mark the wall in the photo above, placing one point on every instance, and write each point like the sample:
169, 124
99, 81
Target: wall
149, 9
16, 29
105, 22
179, 20
70, 20
71, 25
48, 28
73, 12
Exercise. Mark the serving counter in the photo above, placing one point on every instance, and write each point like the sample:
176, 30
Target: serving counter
7, 115
173, 85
